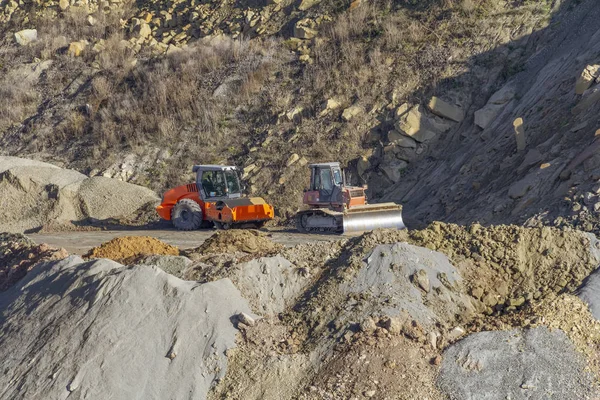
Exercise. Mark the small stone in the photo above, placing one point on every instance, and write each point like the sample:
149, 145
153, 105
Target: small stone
401, 140
516, 302
362, 165
368, 325
355, 4
26, 36
519, 189
295, 114
369, 393
437, 360
63, 4
477, 292
485, 116
329, 105
414, 331
456, 333
246, 319
76, 48
303, 32
490, 300
351, 112
392, 324
249, 168
142, 30
587, 78
292, 159
432, 339
306, 4
520, 134
422, 280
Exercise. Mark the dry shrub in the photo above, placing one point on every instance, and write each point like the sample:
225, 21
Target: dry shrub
18, 99
169, 101
116, 56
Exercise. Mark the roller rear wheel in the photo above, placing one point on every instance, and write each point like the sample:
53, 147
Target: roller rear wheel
186, 215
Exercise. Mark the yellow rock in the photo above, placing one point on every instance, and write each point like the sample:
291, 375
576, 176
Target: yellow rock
76, 48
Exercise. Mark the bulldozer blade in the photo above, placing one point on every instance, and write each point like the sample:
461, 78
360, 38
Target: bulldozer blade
369, 220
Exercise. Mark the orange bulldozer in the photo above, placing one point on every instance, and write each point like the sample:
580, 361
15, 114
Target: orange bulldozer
215, 199
331, 205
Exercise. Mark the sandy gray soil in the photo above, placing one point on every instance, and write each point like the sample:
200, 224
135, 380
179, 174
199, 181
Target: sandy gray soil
80, 242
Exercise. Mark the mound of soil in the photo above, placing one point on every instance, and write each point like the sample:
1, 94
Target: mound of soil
508, 265
19, 254
238, 240
129, 249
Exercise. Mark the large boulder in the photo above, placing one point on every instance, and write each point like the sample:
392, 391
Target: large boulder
446, 110
98, 330
587, 78
420, 126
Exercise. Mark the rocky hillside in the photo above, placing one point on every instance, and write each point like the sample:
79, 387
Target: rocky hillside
418, 99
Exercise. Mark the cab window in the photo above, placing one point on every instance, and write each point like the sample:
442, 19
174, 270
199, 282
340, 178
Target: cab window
337, 177
213, 184
233, 184
326, 182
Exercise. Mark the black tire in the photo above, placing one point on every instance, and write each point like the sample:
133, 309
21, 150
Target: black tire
186, 215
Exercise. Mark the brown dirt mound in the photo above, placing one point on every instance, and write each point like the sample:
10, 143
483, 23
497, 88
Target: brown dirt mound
19, 254
129, 248
238, 240
508, 265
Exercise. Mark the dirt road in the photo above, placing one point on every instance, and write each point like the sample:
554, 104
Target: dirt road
80, 242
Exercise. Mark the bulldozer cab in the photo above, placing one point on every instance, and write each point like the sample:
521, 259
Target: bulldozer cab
327, 179
217, 182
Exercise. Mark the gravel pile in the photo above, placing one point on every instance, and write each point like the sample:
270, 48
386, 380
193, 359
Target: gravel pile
98, 330
519, 364
36, 194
